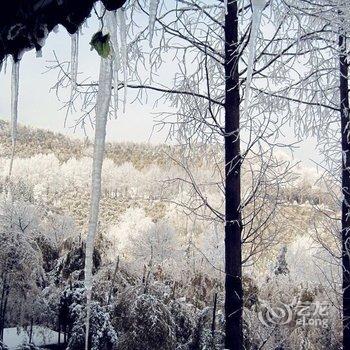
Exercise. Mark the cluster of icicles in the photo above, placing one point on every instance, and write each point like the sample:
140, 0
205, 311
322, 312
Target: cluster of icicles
108, 82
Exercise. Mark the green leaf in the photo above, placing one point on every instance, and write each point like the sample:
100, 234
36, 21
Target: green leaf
101, 44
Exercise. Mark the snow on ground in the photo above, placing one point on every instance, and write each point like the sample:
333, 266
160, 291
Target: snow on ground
14, 337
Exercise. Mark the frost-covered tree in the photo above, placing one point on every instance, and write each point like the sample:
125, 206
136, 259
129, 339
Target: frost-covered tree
20, 257
318, 101
215, 101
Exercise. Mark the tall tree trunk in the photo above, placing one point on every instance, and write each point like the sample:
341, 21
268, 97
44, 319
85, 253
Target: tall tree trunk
345, 144
4, 312
1, 308
233, 224
3, 303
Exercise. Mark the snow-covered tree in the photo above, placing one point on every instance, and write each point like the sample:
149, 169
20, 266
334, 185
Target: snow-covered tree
20, 257
208, 97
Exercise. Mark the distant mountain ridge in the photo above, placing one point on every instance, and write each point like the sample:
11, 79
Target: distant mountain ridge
33, 141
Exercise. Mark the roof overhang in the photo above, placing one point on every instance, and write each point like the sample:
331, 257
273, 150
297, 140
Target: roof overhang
25, 24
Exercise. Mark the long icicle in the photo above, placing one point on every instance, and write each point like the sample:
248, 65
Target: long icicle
153, 9
14, 109
116, 67
5, 65
257, 7
124, 50
112, 26
74, 66
102, 108
74, 58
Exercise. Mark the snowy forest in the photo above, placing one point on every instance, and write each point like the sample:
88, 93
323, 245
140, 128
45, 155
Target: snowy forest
225, 234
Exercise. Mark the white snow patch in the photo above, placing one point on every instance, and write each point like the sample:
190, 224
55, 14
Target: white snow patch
14, 337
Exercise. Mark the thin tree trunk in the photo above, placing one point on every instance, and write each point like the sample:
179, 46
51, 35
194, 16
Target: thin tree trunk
3, 304
233, 225
4, 296
113, 281
213, 323
31, 330
59, 331
1, 308
345, 143
4, 312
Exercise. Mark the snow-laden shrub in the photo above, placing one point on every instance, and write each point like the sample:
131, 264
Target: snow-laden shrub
150, 325
291, 310
183, 317
204, 337
72, 308
102, 334
159, 289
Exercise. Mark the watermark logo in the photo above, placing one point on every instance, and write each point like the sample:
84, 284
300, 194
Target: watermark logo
314, 314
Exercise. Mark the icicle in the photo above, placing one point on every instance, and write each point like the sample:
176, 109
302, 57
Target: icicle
56, 29
101, 109
74, 59
14, 109
242, 12
5, 65
226, 6
116, 85
123, 49
39, 53
257, 7
112, 26
153, 9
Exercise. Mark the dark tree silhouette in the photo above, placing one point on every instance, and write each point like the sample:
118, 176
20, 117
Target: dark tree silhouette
345, 144
233, 224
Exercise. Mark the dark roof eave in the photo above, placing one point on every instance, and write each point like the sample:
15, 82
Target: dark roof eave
25, 24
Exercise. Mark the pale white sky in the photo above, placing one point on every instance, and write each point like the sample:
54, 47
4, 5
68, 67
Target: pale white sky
38, 107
